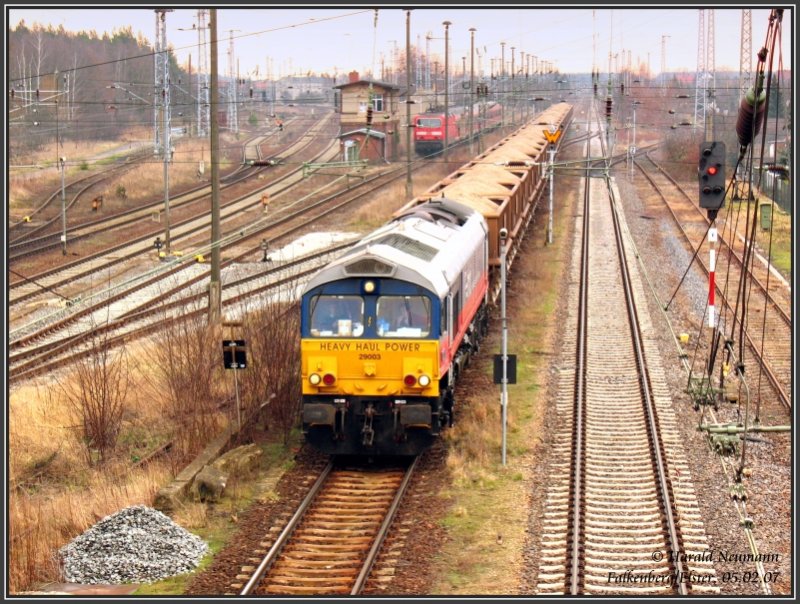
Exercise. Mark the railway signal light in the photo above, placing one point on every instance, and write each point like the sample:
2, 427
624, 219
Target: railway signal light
711, 176
369, 116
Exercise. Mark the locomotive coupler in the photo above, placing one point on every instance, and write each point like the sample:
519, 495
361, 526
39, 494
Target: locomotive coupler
367, 432
399, 429
341, 410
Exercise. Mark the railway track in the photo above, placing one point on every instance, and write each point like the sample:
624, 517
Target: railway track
58, 277
23, 247
621, 515
56, 340
142, 313
331, 543
44, 216
768, 319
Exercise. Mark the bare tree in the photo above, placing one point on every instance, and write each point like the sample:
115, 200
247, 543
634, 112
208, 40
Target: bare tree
186, 370
273, 374
41, 53
96, 395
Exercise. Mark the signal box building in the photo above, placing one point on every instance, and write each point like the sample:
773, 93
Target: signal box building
375, 142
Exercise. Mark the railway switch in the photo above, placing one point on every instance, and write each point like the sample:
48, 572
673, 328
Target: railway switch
738, 492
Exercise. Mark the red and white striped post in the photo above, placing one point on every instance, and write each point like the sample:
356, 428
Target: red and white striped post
712, 240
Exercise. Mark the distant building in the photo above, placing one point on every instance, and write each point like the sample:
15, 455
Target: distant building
379, 140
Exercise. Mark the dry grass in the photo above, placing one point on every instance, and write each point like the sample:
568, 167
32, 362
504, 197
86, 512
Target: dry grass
489, 502
42, 522
60, 494
29, 186
778, 241
148, 179
193, 515
374, 213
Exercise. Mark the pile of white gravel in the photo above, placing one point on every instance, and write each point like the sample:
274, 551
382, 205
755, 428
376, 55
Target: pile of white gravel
135, 545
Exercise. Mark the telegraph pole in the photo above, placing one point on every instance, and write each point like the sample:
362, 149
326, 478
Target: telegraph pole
504, 392
233, 116
446, 89
63, 160
513, 92
471, 86
214, 290
409, 185
503, 82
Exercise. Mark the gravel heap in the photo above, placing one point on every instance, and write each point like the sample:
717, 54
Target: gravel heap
135, 545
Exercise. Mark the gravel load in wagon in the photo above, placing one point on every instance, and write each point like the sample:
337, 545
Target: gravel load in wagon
135, 545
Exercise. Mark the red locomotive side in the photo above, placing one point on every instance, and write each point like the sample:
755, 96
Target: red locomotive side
429, 130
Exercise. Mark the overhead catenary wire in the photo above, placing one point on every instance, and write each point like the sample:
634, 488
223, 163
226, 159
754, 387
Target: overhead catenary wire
192, 46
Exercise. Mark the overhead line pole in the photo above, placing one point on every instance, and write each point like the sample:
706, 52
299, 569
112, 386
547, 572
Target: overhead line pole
409, 185
446, 89
165, 144
471, 87
214, 289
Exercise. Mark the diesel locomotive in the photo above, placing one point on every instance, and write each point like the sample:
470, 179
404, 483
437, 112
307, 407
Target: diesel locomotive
388, 327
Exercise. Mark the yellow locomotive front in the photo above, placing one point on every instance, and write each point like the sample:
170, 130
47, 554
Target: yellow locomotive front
370, 367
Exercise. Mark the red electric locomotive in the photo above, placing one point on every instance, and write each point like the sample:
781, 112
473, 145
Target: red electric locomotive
429, 128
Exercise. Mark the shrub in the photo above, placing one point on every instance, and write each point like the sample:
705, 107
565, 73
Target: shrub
96, 397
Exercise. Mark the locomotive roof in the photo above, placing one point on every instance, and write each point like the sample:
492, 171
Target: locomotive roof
417, 246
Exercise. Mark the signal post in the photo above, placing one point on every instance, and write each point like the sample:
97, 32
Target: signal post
711, 180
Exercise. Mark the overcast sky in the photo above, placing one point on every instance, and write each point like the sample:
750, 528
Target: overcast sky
297, 39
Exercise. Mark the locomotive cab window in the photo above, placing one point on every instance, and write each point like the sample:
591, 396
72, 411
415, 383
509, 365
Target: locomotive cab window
403, 316
337, 316
429, 122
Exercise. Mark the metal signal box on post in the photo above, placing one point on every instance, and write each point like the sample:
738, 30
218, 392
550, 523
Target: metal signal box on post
711, 176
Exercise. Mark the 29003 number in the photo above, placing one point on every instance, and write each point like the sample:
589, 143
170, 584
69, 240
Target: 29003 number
369, 357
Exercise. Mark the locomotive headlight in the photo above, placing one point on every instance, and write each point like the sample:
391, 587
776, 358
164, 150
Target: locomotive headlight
314, 379
369, 287
424, 381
